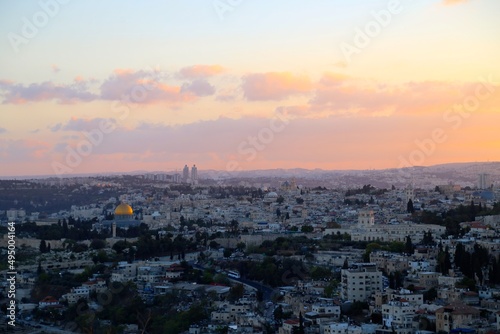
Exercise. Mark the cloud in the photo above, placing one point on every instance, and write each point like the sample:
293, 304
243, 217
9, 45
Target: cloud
3, 130
274, 86
45, 91
200, 71
251, 142
22, 150
199, 87
142, 87
337, 94
80, 124
56, 127
453, 2
332, 79
55, 68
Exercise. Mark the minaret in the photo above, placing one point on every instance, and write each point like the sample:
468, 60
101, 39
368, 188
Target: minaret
113, 228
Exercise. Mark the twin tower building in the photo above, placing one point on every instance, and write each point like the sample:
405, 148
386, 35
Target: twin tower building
187, 178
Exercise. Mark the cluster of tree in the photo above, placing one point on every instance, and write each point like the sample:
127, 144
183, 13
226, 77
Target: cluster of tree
428, 239
148, 246
45, 198
495, 210
44, 247
336, 240
409, 206
393, 247
75, 229
443, 260
236, 191
298, 245
472, 264
190, 223
366, 189
175, 322
357, 201
396, 280
494, 271
120, 305
275, 272
453, 217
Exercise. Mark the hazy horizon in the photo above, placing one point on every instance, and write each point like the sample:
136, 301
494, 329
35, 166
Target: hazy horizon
222, 172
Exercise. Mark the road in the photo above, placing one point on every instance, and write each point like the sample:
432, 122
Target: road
267, 291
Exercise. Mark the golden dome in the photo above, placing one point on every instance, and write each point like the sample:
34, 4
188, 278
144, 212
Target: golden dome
124, 210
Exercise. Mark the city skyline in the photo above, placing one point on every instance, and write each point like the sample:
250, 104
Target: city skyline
246, 85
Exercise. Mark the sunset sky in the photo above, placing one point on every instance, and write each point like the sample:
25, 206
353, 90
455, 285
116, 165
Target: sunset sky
118, 86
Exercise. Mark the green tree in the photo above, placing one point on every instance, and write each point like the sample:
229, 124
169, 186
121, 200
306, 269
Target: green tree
278, 314
236, 292
409, 206
318, 273
307, 229
408, 246
43, 246
330, 288
98, 244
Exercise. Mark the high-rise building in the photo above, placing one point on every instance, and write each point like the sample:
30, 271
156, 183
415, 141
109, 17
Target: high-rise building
360, 282
185, 173
194, 173
483, 181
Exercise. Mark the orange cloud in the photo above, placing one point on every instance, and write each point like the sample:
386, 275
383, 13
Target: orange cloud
197, 71
274, 85
123, 71
330, 79
453, 2
143, 87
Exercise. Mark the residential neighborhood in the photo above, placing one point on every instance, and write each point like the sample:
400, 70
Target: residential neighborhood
180, 254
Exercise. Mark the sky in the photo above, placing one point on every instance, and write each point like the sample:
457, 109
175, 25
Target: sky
120, 86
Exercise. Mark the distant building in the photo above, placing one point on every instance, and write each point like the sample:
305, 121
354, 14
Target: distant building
455, 315
289, 185
366, 218
176, 178
124, 217
48, 301
185, 174
194, 174
483, 181
399, 314
409, 195
342, 327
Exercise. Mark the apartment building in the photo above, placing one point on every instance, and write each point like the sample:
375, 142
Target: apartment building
360, 282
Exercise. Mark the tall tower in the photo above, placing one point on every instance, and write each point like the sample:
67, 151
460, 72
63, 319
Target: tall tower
409, 195
194, 173
483, 181
185, 173
366, 217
